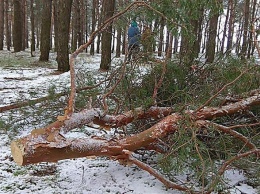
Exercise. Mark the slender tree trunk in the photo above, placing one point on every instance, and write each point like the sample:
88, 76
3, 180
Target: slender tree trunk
124, 42
230, 26
32, 29
245, 29
113, 40
169, 50
239, 37
18, 25
75, 25
93, 25
176, 43
82, 23
63, 22
56, 24
99, 22
46, 30
213, 25
251, 45
160, 47
7, 25
118, 42
1, 24
106, 39
23, 31
26, 32
225, 30
86, 22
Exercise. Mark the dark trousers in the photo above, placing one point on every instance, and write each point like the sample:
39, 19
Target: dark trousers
132, 51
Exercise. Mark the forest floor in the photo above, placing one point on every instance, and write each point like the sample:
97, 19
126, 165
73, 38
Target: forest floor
21, 77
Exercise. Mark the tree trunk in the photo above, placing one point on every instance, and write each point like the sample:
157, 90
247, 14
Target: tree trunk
63, 148
250, 44
169, 49
106, 39
118, 42
93, 24
46, 30
245, 29
230, 26
160, 47
48, 145
75, 25
32, 29
213, 24
18, 25
2, 24
63, 22
7, 26
225, 30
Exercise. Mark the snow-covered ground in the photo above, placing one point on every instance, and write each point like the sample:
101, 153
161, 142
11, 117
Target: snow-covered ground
84, 175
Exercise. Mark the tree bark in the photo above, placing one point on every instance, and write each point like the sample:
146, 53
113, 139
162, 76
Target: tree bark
40, 146
63, 21
106, 38
46, 30
18, 25
48, 145
32, 28
213, 24
7, 26
1, 24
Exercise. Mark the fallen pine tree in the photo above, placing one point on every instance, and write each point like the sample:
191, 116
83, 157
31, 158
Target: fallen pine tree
49, 144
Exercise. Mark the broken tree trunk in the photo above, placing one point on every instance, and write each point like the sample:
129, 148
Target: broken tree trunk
31, 149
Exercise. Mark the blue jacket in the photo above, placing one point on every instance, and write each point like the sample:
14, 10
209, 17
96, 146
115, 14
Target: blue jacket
133, 35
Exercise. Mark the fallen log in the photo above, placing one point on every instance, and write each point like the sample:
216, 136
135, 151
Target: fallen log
31, 149
48, 144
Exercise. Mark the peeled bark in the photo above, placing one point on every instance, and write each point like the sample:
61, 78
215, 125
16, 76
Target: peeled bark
49, 145
52, 147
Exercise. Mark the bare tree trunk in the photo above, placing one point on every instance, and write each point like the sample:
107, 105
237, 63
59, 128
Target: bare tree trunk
46, 30
32, 28
245, 29
106, 39
2, 24
213, 24
7, 26
239, 37
75, 25
63, 22
169, 50
230, 26
118, 42
18, 25
99, 14
93, 23
160, 47
225, 30
251, 45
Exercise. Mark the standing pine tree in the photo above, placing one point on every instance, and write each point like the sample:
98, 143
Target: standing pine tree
45, 30
63, 13
106, 39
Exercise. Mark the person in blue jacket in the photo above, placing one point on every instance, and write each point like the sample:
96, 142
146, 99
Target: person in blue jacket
133, 40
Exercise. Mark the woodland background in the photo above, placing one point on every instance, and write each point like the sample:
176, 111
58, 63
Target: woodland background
193, 96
